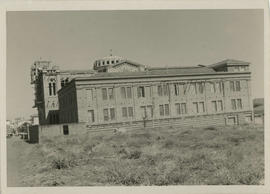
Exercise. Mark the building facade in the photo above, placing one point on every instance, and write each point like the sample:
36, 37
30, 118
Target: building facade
47, 79
122, 92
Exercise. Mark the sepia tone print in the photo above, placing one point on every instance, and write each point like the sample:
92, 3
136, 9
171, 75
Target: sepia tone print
122, 121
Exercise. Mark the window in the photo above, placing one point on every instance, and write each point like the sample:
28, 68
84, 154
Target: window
236, 104
160, 90
220, 105
233, 104
214, 105
182, 88
163, 90
200, 87
129, 94
177, 107
181, 108
104, 94
239, 103
141, 92
166, 89
176, 90
130, 111
167, 111
237, 86
108, 62
91, 116
212, 87
89, 96
198, 107
148, 91
50, 89
124, 112
106, 114
111, 93
161, 110
193, 89
201, 107
54, 89
65, 130
242, 68
232, 88
236, 68
112, 113
147, 111
195, 107
123, 92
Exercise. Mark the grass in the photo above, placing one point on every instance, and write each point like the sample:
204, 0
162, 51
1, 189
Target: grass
183, 156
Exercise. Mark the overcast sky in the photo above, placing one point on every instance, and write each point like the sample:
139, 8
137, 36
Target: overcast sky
74, 39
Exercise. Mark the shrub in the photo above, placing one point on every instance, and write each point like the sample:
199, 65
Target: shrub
134, 154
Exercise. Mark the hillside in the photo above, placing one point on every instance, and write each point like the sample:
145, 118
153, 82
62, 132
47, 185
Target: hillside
188, 156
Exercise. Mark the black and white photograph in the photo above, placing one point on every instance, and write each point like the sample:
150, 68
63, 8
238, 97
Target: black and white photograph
135, 97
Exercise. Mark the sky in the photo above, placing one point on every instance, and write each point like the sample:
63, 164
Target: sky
75, 39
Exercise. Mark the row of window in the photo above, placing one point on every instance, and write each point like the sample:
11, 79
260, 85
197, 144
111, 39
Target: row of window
108, 62
164, 110
164, 90
52, 88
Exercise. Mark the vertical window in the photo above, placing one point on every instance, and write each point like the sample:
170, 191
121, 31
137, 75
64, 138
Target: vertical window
212, 87
50, 89
106, 114
141, 92
239, 103
237, 86
200, 87
166, 89
149, 111
176, 90
148, 91
193, 89
232, 88
220, 105
201, 107
129, 94
111, 93
112, 113
124, 112
54, 89
104, 94
123, 92
214, 105
196, 107
130, 111
91, 116
236, 68
233, 104
143, 111
167, 110
160, 90
182, 89
89, 96
177, 107
183, 108
161, 110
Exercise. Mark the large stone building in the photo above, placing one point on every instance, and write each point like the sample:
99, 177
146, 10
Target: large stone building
120, 92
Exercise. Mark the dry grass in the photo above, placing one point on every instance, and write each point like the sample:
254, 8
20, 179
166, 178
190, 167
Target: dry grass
212, 155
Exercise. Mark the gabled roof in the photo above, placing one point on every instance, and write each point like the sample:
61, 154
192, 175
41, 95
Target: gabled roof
229, 62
